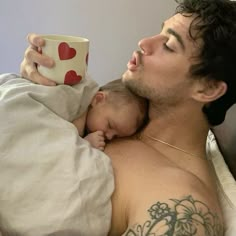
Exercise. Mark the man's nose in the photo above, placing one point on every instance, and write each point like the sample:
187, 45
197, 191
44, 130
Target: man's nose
147, 45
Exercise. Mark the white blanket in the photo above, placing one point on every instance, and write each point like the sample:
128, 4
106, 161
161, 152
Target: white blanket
226, 185
52, 182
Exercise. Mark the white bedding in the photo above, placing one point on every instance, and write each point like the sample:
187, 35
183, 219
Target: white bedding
51, 181
226, 185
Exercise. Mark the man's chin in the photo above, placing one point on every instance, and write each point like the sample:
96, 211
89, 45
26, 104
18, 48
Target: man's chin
124, 76
128, 75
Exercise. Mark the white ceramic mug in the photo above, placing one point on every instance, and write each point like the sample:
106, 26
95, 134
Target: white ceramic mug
70, 54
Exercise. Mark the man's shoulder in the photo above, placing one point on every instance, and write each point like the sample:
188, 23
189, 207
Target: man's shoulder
160, 198
170, 207
174, 202
186, 215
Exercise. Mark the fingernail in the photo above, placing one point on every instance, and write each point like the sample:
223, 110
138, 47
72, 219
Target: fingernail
50, 62
40, 41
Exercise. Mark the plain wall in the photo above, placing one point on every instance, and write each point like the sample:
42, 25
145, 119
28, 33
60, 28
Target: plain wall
113, 28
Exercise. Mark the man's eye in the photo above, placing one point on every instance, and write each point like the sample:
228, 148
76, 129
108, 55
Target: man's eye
167, 48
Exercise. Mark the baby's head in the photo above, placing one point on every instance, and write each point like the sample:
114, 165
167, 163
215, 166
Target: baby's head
116, 111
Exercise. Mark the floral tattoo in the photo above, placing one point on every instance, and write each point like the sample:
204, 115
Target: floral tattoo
188, 217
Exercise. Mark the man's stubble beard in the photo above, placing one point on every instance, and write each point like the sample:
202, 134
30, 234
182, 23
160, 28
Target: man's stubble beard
161, 98
136, 85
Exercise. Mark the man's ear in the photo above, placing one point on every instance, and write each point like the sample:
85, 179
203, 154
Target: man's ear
208, 91
99, 97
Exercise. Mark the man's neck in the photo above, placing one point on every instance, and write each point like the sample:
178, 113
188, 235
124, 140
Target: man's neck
186, 131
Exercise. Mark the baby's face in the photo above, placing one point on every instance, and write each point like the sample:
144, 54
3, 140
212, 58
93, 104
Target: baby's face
114, 122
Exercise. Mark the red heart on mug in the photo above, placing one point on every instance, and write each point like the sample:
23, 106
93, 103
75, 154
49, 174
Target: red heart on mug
72, 78
65, 51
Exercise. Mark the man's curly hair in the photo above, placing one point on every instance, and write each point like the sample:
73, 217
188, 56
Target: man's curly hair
215, 24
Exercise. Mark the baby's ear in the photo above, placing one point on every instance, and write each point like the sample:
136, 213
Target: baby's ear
99, 97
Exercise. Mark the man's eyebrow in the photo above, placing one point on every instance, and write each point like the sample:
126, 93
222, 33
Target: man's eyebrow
176, 35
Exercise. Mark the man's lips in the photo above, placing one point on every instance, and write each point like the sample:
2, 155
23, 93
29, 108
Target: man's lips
135, 61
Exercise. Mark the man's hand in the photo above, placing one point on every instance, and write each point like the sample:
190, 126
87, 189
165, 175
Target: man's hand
96, 139
33, 58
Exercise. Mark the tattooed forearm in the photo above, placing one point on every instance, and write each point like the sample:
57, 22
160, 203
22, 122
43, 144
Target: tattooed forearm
188, 217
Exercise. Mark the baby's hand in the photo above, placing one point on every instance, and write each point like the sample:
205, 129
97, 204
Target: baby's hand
96, 139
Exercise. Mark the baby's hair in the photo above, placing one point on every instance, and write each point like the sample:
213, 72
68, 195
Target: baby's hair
120, 95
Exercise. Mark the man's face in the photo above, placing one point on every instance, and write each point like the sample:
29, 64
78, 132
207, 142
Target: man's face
160, 71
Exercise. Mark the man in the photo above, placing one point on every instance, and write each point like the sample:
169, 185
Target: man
164, 184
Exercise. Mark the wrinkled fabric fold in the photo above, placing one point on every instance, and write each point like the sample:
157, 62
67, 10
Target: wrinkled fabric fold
52, 182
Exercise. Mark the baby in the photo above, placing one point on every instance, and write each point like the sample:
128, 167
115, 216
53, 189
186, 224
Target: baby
50, 168
114, 112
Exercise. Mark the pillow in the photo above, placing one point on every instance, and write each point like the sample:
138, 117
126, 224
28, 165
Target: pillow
226, 185
225, 135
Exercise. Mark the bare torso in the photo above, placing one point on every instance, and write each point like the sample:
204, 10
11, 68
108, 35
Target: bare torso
147, 182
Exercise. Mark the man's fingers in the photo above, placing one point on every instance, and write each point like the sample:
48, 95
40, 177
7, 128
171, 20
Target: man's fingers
35, 40
33, 52
33, 56
29, 71
39, 79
